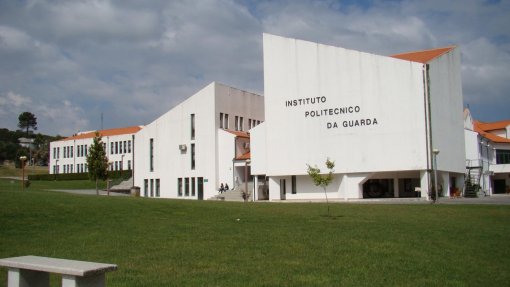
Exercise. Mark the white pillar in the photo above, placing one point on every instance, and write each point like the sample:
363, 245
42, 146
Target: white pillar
395, 188
424, 183
446, 183
88, 281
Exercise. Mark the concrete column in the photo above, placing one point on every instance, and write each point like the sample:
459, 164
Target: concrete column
27, 278
274, 188
255, 188
424, 183
395, 188
446, 183
459, 182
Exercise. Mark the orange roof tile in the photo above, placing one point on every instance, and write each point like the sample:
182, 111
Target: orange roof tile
424, 56
239, 133
491, 137
500, 125
105, 133
244, 156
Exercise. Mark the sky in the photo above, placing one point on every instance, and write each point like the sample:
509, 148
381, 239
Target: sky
69, 62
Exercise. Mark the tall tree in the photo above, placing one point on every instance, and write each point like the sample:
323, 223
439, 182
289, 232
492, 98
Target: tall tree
322, 180
27, 120
97, 161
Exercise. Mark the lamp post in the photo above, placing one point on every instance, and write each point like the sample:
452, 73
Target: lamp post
22, 159
435, 152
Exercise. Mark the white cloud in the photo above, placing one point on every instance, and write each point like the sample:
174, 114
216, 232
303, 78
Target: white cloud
134, 60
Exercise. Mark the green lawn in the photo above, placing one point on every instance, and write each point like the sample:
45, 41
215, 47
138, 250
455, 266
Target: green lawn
10, 170
200, 243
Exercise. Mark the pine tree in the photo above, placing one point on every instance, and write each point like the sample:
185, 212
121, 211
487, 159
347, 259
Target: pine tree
27, 120
97, 161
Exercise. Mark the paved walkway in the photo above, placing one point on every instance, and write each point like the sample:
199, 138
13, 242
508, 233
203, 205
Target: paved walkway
501, 199
89, 192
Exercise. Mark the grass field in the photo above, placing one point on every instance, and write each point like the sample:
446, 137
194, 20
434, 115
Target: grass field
10, 170
200, 243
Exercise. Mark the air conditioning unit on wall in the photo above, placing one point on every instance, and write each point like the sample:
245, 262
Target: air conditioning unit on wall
182, 147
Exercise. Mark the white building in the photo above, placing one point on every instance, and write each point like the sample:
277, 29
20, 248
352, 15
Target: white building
197, 145
487, 156
378, 118
69, 155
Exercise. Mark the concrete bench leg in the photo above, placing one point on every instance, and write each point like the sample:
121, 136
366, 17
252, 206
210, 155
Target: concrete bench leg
27, 278
89, 281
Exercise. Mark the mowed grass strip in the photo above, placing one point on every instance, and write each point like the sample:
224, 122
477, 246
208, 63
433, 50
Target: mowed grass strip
200, 243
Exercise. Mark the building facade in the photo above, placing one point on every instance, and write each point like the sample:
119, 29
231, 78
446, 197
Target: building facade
379, 118
69, 155
199, 144
487, 156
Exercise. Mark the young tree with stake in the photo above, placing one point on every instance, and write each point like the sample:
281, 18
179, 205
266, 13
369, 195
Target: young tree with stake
322, 180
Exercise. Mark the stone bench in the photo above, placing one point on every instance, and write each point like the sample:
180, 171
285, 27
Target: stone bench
34, 271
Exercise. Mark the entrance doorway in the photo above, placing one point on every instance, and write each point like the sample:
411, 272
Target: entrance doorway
200, 188
499, 186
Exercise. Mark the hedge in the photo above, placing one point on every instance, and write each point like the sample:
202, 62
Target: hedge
124, 174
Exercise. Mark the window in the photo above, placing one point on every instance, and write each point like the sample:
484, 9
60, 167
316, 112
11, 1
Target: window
54, 152
221, 120
225, 126
192, 186
152, 187
111, 148
294, 191
64, 153
116, 165
236, 123
249, 124
192, 126
58, 152
120, 165
502, 156
179, 186
240, 123
129, 146
145, 187
125, 148
186, 186
117, 147
86, 168
157, 187
72, 151
192, 156
129, 164
86, 150
151, 155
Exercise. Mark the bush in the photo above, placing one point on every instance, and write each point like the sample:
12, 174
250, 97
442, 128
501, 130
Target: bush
125, 174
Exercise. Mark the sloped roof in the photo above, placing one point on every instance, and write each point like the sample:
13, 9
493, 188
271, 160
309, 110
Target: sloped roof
244, 156
106, 133
500, 125
424, 56
479, 128
239, 134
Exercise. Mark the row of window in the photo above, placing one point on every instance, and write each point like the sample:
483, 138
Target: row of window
238, 122
187, 187
118, 165
154, 190
120, 147
68, 168
81, 150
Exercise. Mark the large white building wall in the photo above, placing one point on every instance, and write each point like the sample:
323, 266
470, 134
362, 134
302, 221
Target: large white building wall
226, 153
258, 150
381, 89
446, 112
170, 131
174, 129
